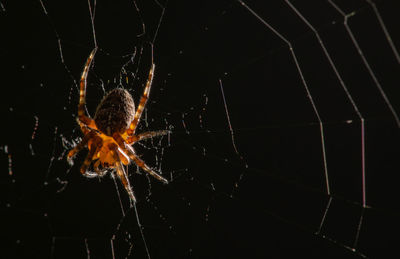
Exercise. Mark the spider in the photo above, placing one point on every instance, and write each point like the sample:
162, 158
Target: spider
110, 135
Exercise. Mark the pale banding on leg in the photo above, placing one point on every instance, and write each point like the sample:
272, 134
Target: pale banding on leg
142, 102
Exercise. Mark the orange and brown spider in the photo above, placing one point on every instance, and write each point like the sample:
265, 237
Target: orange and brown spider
111, 133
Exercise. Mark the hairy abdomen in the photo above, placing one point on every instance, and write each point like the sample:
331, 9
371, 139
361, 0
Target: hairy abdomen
115, 112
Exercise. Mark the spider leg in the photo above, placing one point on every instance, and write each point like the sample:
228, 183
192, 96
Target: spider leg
142, 136
82, 93
96, 167
142, 102
85, 128
93, 149
79, 146
121, 172
139, 162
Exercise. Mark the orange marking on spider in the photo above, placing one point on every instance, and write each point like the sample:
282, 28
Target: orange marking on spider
111, 133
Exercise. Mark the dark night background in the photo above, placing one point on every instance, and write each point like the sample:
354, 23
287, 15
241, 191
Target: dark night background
273, 202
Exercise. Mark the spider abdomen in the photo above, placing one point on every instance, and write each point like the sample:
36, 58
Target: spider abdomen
115, 112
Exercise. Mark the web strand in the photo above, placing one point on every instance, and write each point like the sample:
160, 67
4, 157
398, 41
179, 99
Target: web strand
385, 30
309, 96
141, 231
92, 16
349, 96
365, 61
229, 123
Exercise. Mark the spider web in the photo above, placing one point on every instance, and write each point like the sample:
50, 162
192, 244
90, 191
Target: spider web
284, 118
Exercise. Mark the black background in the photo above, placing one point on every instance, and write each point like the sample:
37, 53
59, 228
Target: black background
271, 202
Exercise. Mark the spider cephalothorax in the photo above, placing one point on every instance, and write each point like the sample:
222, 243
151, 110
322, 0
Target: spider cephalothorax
111, 133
